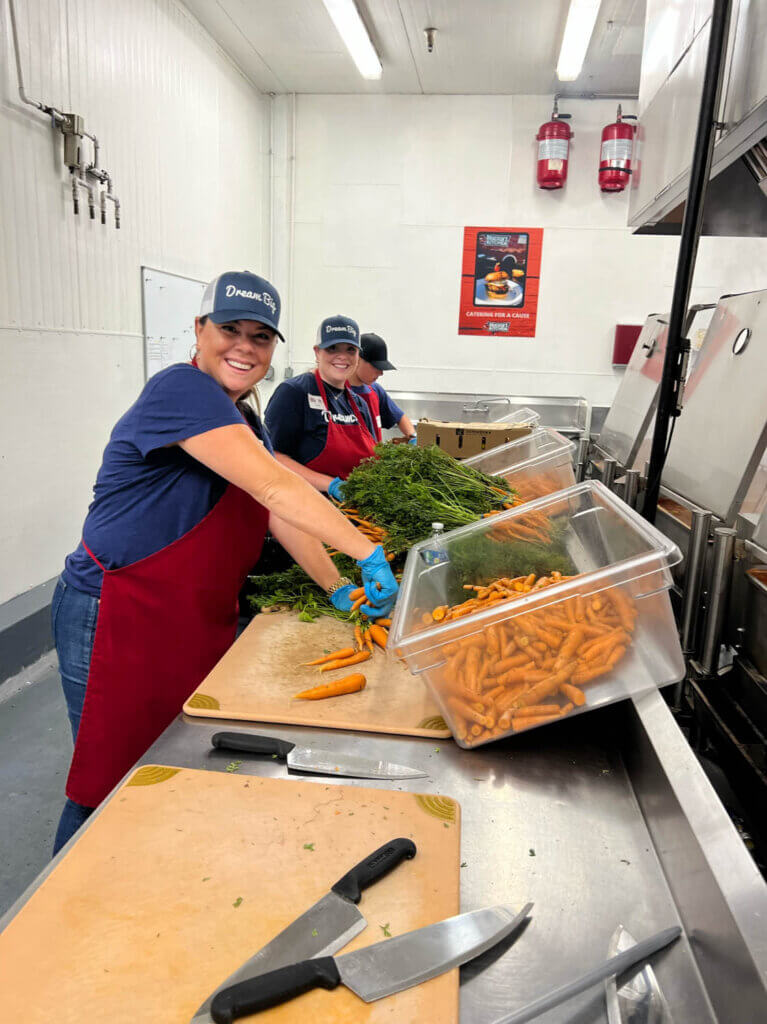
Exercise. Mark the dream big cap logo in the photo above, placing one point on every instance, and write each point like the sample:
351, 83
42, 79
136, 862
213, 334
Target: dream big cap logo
335, 330
240, 295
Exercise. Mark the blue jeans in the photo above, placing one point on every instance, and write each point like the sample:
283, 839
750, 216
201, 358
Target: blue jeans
73, 620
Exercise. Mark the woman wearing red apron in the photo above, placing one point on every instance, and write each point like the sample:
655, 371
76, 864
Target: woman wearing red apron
147, 603
319, 428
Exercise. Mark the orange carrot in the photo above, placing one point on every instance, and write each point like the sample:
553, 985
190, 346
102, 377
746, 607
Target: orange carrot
355, 659
537, 710
358, 636
349, 684
359, 592
347, 652
576, 696
358, 603
383, 622
368, 641
379, 635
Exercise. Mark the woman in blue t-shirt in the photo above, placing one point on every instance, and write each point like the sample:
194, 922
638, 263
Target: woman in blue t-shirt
319, 428
147, 603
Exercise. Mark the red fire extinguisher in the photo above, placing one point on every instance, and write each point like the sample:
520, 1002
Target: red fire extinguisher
553, 150
615, 154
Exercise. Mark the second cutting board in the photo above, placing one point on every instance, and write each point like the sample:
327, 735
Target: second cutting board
260, 674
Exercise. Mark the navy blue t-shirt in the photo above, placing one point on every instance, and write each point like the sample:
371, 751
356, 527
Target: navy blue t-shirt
147, 494
297, 420
391, 413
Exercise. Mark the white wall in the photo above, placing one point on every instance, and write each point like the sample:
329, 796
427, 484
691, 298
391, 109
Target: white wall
384, 188
186, 138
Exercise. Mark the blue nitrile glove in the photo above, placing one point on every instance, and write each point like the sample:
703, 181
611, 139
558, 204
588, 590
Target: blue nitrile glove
412, 440
379, 583
341, 599
336, 488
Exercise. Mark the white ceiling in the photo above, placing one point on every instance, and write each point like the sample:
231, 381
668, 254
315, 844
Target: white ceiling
481, 46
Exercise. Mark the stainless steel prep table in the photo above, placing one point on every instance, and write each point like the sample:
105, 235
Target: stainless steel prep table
604, 820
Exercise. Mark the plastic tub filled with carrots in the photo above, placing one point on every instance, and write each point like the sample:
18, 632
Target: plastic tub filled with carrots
538, 464
539, 613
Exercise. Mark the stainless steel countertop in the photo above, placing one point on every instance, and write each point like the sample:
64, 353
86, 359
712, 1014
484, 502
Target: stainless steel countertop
549, 818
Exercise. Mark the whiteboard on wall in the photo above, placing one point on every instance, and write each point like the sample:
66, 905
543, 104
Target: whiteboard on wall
170, 304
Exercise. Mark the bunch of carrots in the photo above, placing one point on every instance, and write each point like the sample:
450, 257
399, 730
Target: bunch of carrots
531, 669
375, 533
533, 526
366, 638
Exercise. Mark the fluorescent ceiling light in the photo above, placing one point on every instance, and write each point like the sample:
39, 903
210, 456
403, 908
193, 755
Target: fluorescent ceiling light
351, 28
581, 19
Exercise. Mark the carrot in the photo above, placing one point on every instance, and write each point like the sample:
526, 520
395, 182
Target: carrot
468, 712
358, 603
347, 652
379, 636
349, 684
368, 641
576, 696
358, 636
383, 622
625, 609
536, 710
518, 724
355, 659
359, 592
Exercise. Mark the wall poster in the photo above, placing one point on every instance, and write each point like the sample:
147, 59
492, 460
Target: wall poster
500, 275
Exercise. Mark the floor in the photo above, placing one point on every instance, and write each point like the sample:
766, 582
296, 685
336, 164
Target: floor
35, 749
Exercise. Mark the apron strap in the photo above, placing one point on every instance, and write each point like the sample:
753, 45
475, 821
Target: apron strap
350, 397
98, 563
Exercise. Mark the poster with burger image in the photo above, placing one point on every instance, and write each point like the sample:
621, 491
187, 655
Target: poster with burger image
499, 284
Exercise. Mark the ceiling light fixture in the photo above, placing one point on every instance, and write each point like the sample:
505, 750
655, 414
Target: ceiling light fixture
581, 19
351, 28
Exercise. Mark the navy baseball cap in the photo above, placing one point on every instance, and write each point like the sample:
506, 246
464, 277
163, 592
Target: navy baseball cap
374, 352
336, 329
240, 295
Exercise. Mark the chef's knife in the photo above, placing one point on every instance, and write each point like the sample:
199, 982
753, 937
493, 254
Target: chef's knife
378, 970
615, 965
307, 759
324, 928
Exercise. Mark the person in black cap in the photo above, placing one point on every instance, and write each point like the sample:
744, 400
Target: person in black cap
374, 359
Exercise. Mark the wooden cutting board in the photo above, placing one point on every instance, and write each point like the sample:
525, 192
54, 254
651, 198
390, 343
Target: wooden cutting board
185, 874
259, 675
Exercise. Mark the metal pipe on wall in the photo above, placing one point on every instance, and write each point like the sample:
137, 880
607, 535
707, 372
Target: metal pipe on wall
721, 577
671, 380
696, 561
631, 487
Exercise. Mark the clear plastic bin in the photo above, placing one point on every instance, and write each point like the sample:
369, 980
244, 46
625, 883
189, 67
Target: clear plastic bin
583, 620
536, 465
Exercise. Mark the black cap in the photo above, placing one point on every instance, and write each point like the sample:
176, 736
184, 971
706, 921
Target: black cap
374, 352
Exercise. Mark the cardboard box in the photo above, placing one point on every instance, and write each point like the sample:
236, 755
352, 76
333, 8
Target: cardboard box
462, 440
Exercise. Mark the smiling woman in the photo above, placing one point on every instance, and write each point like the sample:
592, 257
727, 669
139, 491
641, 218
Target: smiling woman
320, 429
147, 603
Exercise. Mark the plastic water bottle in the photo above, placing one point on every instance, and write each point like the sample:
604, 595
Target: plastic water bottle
436, 553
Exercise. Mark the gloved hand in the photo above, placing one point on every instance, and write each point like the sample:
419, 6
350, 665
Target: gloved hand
378, 580
341, 599
336, 488
412, 440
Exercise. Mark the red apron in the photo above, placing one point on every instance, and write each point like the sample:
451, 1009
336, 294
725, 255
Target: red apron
371, 397
345, 447
163, 623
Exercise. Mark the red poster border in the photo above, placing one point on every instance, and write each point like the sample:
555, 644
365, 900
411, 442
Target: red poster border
500, 322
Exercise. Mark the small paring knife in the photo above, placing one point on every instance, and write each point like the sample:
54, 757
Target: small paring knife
327, 926
309, 759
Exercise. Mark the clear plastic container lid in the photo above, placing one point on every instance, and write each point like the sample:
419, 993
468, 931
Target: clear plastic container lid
541, 446
591, 536
524, 417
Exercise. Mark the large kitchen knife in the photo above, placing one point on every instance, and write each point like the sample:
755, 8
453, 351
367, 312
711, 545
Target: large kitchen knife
324, 928
378, 970
308, 759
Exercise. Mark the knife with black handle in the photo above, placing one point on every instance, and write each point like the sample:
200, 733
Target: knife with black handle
310, 759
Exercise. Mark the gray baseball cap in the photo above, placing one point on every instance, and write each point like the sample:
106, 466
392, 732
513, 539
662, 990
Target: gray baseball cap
240, 295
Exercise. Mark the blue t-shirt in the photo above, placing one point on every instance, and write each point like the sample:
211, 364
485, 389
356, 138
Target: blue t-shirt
391, 413
147, 495
297, 420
